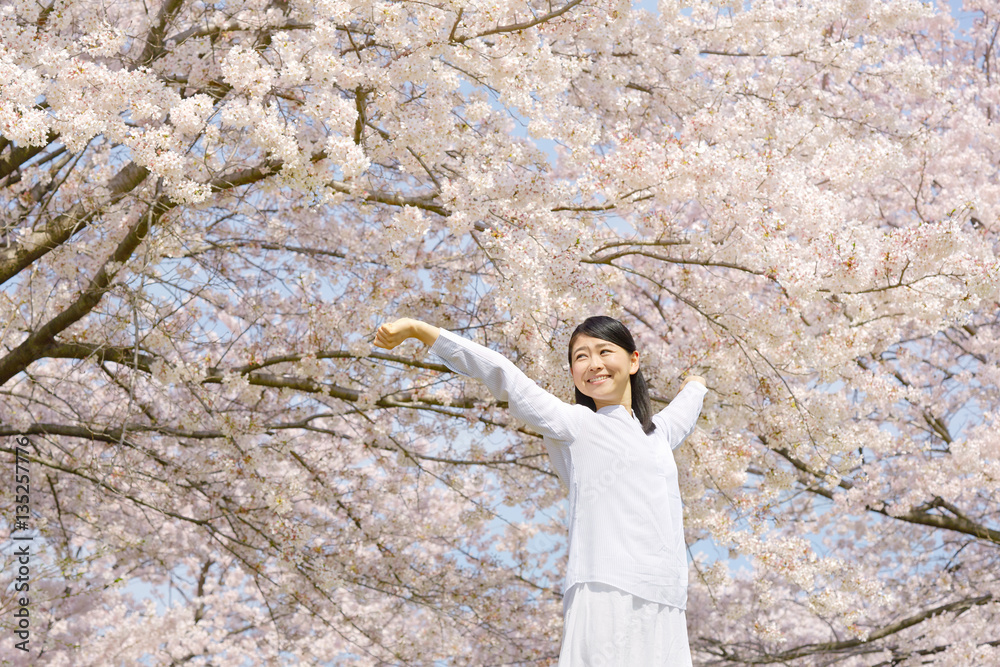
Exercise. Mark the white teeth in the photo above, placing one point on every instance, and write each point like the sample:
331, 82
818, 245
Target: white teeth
598, 379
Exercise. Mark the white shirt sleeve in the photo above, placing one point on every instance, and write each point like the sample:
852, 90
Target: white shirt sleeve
678, 419
526, 400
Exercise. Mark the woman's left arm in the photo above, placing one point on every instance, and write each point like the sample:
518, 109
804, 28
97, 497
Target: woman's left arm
678, 419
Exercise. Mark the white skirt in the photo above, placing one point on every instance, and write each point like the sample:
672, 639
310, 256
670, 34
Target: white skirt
606, 627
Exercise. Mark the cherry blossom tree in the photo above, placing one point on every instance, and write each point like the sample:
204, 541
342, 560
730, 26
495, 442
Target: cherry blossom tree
208, 208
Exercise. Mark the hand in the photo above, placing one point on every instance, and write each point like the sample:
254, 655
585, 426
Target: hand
391, 334
694, 378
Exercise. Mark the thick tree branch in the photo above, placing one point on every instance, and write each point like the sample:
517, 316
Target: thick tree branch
224, 246
516, 27
127, 356
360, 99
154, 38
607, 259
39, 341
958, 522
850, 645
200, 30
36, 345
425, 202
23, 253
18, 156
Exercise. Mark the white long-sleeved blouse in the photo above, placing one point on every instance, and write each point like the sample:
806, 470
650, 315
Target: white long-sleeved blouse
625, 512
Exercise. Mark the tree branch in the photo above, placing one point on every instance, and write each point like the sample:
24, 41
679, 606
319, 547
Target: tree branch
958, 606
37, 343
154, 38
958, 522
515, 27
20, 255
18, 156
671, 260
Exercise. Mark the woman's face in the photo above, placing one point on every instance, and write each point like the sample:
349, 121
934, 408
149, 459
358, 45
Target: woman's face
601, 371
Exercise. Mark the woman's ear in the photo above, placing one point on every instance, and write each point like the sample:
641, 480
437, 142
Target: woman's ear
634, 365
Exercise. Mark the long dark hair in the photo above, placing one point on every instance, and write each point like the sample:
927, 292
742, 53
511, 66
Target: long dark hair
613, 331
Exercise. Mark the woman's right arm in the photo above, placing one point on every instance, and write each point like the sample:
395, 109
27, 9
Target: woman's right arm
391, 334
527, 401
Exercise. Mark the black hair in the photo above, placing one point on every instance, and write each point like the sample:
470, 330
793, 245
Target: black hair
613, 331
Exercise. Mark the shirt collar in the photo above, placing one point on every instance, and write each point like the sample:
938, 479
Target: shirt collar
616, 410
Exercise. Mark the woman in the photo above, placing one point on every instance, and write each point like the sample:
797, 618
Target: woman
626, 582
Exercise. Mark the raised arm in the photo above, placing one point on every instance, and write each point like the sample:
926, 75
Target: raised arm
391, 334
678, 419
526, 400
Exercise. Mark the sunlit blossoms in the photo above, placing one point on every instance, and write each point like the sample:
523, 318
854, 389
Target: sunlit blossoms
208, 208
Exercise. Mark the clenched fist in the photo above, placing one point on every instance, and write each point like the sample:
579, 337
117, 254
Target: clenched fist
391, 334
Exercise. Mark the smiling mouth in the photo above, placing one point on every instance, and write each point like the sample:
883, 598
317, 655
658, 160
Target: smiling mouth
599, 379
